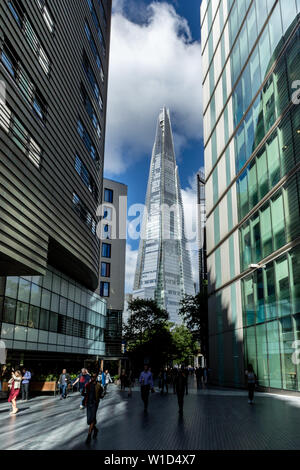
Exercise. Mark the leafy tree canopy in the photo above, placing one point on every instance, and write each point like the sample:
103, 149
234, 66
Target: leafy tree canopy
184, 345
146, 317
193, 310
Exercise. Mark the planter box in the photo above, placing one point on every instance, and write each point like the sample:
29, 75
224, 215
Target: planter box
42, 386
35, 386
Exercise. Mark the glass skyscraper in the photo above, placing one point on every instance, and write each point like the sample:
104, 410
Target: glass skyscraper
163, 269
251, 65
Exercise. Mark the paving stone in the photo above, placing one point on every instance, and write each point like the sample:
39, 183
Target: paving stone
214, 419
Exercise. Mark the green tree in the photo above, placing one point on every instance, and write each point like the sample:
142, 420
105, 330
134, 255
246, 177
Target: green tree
184, 344
147, 334
194, 312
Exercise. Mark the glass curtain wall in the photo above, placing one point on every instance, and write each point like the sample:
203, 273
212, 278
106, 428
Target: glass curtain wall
271, 299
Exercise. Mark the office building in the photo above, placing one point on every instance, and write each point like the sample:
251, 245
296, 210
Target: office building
53, 76
112, 267
252, 132
163, 269
201, 221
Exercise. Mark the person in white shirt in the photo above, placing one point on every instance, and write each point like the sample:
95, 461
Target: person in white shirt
108, 380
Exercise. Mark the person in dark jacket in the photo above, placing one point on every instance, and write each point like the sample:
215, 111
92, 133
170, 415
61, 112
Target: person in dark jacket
63, 382
92, 393
25, 384
181, 387
123, 379
173, 378
199, 376
251, 382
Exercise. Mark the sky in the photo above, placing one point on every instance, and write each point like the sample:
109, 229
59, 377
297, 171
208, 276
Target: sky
155, 61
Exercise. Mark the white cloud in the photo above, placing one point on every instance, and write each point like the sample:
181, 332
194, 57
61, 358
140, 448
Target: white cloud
151, 65
131, 258
189, 199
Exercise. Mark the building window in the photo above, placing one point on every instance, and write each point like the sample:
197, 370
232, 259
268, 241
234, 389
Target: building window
30, 34
90, 110
9, 61
24, 141
97, 25
13, 65
92, 79
107, 213
105, 269
102, 13
17, 11
94, 49
82, 211
39, 107
106, 235
86, 177
9, 310
106, 250
46, 15
87, 140
108, 195
104, 289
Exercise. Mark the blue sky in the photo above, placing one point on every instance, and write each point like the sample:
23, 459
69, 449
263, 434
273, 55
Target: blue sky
155, 60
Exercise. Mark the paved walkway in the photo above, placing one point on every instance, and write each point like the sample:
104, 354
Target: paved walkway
213, 420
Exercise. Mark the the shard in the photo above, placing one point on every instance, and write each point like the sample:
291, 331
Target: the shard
163, 270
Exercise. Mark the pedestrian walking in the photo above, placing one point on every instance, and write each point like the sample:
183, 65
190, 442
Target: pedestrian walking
174, 376
197, 373
205, 375
93, 391
83, 378
25, 384
187, 380
251, 381
160, 380
63, 382
102, 379
146, 382
131, 381
15, 386
108, 380
199, 376
181, 387
123, 379
165, 380
99, 377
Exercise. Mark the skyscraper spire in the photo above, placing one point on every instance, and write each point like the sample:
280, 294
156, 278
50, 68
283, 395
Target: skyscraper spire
163, 270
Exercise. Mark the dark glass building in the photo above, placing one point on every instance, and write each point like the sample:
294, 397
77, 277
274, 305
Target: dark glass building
53, 76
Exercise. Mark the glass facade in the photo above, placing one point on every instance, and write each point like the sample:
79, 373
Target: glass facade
252, 133
271, 300
163, 269
51, 313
